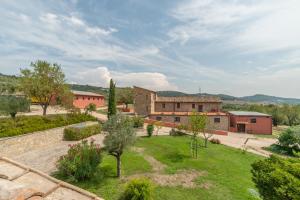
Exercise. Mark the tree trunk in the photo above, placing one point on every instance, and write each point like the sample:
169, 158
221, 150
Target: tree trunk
13, 115
206, 142
126, 106
44, 109
118, 166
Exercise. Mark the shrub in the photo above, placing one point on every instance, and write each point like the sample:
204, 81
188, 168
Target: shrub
28, 124
215, 141
174, 132
138, 122
138, 189
81, 131
277, 178
81, 161
150, 129
290, 139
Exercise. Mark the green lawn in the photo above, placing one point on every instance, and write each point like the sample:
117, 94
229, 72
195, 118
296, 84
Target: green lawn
226, 169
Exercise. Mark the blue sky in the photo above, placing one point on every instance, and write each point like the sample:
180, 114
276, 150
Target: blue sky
237, 47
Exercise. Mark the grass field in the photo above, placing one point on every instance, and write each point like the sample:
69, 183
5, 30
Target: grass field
225, 171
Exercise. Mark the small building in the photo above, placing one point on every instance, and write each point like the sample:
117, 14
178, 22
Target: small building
250, 122
82, 99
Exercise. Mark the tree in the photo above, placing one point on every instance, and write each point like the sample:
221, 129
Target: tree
290, 139
125, 95
90, 108
11, 105
196, 125
277, 178
158, 126
292, 114
44, 83
277, 116
120, 134
112, 108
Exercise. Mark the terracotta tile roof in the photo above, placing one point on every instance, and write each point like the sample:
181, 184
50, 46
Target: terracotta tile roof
76, 92
190, 99
189, 113
18, 182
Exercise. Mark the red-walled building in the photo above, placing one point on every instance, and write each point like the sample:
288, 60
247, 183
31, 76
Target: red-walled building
250, 122
82, 99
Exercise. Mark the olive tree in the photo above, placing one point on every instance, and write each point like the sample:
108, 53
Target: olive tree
44, 83
120, 134
11, 105
90, 108
125, 96
196, 125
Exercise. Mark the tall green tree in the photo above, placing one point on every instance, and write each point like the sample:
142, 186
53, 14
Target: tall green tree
120, 134
112, 107
292, 114
44, 83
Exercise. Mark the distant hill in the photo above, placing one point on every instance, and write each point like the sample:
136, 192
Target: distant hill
257, 98
10, 80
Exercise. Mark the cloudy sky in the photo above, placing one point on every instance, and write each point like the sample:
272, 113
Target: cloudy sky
237, 47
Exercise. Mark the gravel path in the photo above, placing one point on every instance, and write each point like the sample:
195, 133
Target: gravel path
39, 150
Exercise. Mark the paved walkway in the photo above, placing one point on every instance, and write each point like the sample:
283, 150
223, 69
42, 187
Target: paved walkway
39, 150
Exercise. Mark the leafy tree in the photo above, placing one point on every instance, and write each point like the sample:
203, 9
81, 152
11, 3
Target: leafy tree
45, 82
158, 126
125, 95
290, 139
11, 105
277, 116
112, 108
292, 114
150, 129
196, 125
90, 108
277, 178
120, 134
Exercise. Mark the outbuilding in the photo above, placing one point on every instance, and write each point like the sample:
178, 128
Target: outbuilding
83, 99
250, 122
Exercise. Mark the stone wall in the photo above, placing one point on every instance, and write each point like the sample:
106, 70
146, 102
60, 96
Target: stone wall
143, 101
223, 125
186, 107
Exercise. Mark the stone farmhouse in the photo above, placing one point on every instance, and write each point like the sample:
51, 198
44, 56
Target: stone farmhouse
178, 109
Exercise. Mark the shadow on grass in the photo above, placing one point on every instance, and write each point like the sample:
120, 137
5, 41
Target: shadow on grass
176, 157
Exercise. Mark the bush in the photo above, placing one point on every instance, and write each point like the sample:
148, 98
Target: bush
174, 132
215, 141
290, 139
81, 131
138, 189
150, 129
138, 122
277, 178
28, 124
81, 161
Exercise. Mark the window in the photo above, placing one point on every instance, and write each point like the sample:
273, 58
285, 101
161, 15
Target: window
146, 96
178, 105
82, 98
217, 120
158, 118
93, 98
193, 105
177, 119
147, 108
98, 98
253, 120
88, 98
76, 98
200, 108
163, 105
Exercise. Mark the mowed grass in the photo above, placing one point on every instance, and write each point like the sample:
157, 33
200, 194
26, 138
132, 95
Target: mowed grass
226, 170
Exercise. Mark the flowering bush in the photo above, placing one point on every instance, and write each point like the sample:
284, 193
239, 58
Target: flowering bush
81, 160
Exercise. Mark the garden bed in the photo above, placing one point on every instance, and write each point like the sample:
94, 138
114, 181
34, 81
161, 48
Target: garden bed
81, 131
28, 124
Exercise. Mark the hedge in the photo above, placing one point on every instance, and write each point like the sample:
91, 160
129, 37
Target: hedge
28, 124
80, 132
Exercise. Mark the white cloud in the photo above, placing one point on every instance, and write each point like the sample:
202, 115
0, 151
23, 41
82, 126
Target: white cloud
101, 76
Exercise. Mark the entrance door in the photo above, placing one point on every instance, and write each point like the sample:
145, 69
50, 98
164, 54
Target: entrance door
200, 108
241, 128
